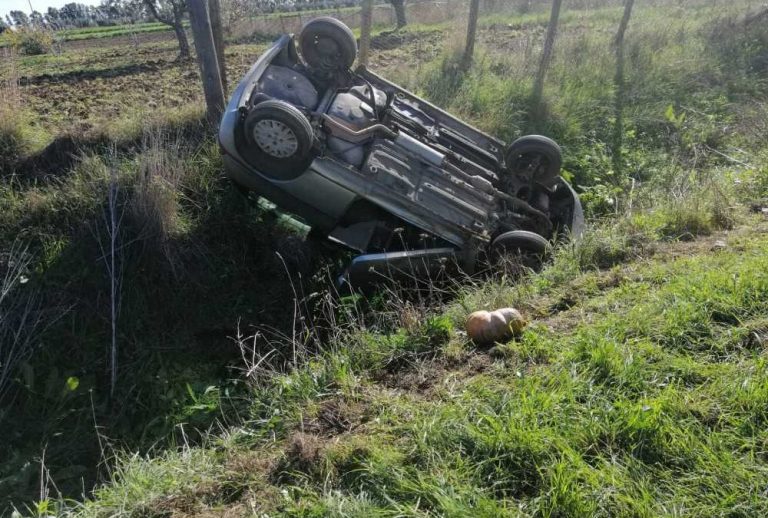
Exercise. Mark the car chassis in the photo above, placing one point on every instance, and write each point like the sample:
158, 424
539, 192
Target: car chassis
383, 172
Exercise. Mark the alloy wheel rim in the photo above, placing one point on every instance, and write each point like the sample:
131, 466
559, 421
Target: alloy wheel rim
275, 138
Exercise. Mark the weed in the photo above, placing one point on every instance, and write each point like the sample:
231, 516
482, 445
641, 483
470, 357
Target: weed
154, 205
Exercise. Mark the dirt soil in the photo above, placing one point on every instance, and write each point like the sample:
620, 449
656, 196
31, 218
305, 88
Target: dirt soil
96, 82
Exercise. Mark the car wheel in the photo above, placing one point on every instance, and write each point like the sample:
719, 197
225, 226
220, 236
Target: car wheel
536, 158
525, 248
279, 139
327, 44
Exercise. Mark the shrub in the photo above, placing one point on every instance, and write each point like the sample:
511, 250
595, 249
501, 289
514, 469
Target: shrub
741, 42
699, 213
154, 207
14, 141
751, 183
32, 41
11, 139
602, 246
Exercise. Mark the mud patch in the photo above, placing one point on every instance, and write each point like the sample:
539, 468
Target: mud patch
125, 40
76, 76
333, 418
418, 379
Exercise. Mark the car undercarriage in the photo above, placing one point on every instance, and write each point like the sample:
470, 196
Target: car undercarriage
383, 172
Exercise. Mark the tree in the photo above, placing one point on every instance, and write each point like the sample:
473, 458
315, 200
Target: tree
469, 50
399, 6
36, 19
546, 58
233, 11
75, 15
171, 12
618, 130
52, 17
113, 11
19, 18
131, 11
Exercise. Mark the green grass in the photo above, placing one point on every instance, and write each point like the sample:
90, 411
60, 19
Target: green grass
80, 33
19, 136
110, 31
179, 221
686, 90
644, 399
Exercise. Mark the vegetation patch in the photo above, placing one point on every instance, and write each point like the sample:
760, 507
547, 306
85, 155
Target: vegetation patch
637, 395
30, 41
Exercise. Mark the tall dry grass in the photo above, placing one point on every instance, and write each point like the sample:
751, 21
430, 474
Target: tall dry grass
12, 123
19, 134
161, 171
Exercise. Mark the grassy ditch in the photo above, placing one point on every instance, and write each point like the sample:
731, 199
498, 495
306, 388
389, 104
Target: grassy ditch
644, 394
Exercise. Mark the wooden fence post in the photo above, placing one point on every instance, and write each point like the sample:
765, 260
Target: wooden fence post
546, 58
469, 50
366, 20
214, 11
206, 59
618, 129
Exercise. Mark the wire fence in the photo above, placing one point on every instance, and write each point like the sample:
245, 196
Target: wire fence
426, 12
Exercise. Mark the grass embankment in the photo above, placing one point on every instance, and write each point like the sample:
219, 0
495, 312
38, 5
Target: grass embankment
639, 390
189, 252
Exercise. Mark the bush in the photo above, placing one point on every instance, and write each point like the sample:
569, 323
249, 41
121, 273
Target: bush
741, 42
14, 141
31, 41
19, 135
11, 140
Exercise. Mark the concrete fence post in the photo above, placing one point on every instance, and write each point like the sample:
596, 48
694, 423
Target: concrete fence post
366, 20
207, 59
214, 11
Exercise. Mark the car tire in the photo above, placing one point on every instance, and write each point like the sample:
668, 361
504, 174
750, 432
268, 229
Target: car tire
527, 248
327, 44
536, 158
279, 139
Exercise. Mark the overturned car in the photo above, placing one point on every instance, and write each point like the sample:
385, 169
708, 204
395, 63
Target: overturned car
381, 171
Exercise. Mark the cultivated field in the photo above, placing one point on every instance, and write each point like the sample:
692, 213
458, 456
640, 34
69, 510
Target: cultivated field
243, 388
